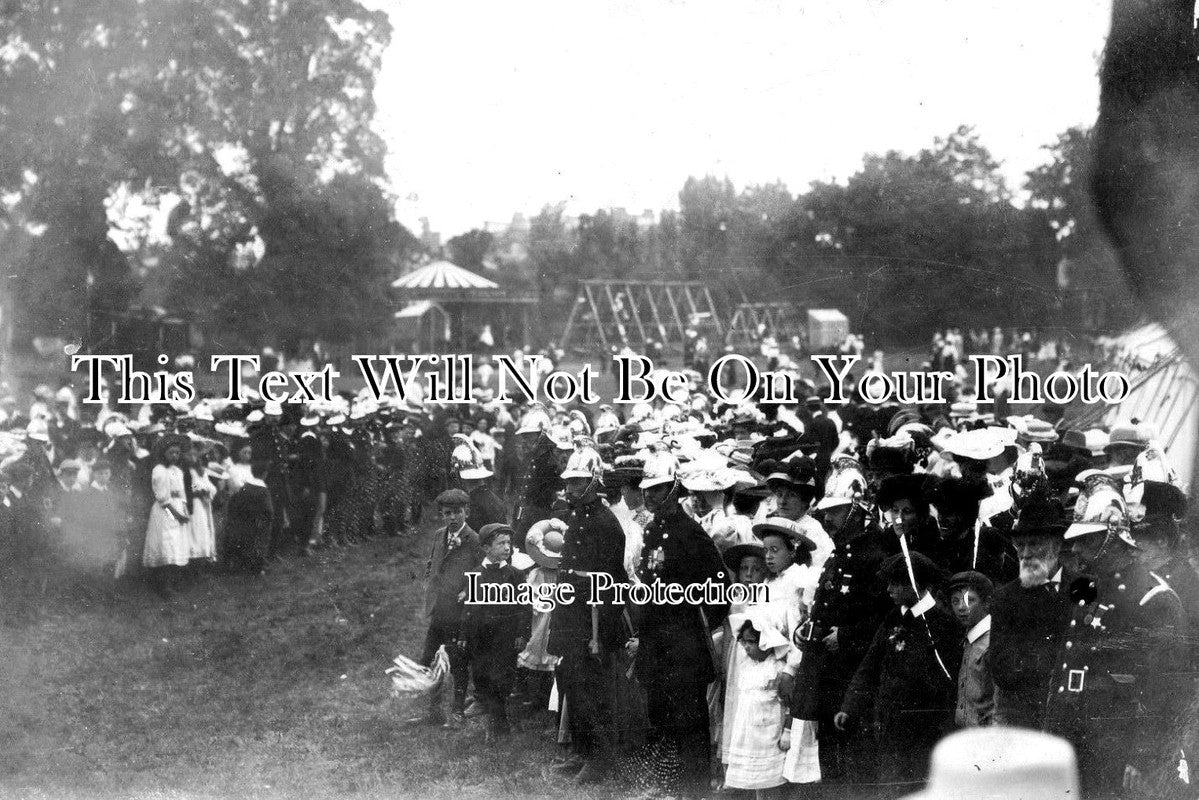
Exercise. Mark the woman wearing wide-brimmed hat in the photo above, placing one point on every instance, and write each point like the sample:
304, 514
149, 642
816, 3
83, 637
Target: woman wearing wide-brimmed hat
544, 544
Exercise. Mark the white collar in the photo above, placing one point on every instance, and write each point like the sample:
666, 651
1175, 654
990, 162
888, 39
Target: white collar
489, 563
252, 481
983, 626
795, 570
1057, 576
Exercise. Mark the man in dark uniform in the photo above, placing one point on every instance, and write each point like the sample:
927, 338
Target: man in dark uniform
586, 636
486, 507
540, 481
1028, 618
673, 648
1115, 693
850, 602
822, 432
1163, 554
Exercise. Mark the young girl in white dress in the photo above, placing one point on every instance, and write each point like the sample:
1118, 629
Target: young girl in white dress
168, 535
747, 564
757, 721
202, 524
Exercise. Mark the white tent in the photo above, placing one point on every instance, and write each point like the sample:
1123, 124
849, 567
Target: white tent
1165, 392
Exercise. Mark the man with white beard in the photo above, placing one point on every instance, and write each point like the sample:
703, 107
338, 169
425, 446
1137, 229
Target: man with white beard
1029, 617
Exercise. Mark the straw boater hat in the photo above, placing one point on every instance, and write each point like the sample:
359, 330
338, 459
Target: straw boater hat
786, 527
545, 541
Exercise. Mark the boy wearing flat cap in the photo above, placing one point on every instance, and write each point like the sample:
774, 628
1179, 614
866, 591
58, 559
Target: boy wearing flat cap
456, 551
905, 678
494, 633
970, 599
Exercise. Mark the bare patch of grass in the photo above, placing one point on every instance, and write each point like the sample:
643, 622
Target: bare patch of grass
246, 687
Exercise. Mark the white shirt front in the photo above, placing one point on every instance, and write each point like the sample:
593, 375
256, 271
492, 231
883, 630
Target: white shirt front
981, 627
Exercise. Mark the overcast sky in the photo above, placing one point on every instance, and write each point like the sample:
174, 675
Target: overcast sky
494, 107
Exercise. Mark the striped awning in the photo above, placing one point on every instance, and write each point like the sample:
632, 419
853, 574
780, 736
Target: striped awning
443, 275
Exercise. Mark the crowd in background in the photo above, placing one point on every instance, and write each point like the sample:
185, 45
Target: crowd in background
929, 567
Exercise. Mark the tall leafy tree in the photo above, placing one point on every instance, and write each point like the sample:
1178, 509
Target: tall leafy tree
931, 236
707, 209
1059, 193
197, 101
469, 249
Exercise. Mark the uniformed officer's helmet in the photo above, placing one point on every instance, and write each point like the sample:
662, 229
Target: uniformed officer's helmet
846, 484
1100, 508
660, 467
584, 462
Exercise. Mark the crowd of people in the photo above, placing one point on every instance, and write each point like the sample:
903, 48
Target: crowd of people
92, 493
928, 568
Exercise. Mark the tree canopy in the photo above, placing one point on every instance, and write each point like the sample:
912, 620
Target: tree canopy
243, 118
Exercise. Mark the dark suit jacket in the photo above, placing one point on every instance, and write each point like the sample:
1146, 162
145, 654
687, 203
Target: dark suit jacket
446, 572
674, 643
1026, 630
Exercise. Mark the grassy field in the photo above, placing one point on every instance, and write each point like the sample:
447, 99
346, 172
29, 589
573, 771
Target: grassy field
245, 687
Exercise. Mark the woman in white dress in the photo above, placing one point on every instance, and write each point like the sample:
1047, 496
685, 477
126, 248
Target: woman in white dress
202, 524
168, 534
